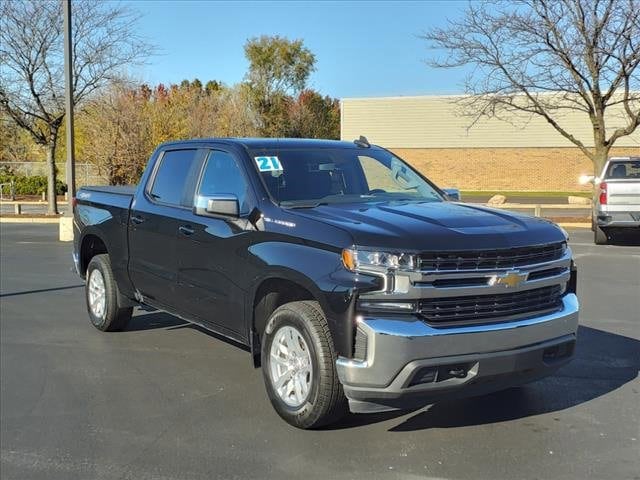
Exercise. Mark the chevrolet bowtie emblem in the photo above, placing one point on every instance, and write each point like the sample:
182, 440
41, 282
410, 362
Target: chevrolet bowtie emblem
509, 280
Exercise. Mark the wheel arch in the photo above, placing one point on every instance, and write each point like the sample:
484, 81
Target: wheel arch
91, 244
269, 293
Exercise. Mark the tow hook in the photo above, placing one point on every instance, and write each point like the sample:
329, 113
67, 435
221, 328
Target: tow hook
458, 372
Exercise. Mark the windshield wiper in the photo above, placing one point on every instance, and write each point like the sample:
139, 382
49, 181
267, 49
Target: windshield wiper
302, 205
309, 203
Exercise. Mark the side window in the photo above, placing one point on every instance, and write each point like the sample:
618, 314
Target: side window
378, 176
393, 176
174, 177
222, 175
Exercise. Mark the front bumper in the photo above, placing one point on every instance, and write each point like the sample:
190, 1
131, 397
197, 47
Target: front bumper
76, 263
409, 363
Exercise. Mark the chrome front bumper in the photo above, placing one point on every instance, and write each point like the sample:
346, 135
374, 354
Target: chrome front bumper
76, 263
483, 358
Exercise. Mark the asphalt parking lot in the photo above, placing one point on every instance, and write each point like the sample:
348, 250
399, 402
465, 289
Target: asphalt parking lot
163, 400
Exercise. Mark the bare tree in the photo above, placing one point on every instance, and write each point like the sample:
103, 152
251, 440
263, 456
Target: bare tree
548, 57
31, 55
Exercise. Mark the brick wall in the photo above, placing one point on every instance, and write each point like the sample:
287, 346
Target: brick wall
519, 169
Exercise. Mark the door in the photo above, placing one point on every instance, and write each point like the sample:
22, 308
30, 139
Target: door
156, 215
212, 250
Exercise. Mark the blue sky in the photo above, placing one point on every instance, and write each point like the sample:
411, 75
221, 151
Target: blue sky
362, 48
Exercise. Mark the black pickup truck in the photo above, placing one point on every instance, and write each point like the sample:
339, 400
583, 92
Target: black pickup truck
354, 281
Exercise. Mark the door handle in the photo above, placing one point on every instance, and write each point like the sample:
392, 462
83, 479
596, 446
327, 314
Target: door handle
186, 230
136, 219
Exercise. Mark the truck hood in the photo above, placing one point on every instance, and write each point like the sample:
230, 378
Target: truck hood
411, 226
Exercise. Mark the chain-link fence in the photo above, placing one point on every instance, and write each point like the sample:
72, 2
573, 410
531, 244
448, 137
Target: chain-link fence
86, 173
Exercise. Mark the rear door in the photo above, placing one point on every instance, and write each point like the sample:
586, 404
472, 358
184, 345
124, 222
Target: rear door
212, 250
156, 214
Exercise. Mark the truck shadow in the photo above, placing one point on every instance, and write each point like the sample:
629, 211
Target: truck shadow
604, 362
153, 320
161, 320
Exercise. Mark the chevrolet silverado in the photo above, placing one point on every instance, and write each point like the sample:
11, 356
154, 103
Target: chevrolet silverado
355, 282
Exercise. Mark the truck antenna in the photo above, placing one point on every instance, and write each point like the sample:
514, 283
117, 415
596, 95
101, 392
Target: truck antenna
362, 142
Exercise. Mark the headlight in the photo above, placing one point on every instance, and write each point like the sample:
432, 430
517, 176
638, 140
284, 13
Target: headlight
375, 260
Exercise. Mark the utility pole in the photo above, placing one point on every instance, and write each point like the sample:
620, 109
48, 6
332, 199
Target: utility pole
68, 94
66, 222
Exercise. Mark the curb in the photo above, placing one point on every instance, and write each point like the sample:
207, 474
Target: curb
29, 220
574, 225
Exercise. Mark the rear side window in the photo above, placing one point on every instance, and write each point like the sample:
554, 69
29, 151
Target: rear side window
174, 179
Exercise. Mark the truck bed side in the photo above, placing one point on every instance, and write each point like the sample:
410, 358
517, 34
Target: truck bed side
101, 218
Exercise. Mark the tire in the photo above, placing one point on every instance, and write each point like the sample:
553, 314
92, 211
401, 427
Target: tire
304, 326
103, 307
600, 236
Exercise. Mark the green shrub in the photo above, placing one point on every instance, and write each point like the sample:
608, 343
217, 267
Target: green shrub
33, 185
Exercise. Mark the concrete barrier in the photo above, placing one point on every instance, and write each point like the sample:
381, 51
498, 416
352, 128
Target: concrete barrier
578, 200
537, 207
497, 200
18, 204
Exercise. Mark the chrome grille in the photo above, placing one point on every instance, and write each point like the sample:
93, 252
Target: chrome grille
488, 308
360, 345
469, 260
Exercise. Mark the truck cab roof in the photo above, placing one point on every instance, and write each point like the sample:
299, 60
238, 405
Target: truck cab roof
270, 143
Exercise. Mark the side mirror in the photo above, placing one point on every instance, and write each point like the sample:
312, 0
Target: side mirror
216, 205
453, 194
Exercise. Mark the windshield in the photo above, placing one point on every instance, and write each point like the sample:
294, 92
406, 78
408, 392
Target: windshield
628, 169
309, 177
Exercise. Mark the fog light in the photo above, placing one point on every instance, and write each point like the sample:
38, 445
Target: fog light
424, 375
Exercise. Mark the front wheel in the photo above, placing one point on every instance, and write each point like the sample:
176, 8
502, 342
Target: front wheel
101, 292
298, 365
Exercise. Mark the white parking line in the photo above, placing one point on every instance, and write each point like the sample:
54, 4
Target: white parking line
608, 247
609, 255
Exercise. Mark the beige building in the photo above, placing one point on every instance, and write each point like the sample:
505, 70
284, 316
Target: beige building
522, 153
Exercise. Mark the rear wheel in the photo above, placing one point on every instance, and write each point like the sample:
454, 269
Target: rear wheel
600, 237
298, 365
101, 292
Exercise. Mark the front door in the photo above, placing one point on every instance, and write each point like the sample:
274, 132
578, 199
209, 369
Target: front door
211, 251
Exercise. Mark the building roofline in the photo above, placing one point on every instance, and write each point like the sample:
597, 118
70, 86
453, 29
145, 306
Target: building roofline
434, 96
406, 97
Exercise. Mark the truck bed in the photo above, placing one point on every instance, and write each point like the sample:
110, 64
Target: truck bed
103, 211
118, 197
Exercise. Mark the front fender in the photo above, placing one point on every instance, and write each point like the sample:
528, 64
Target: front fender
319, 271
